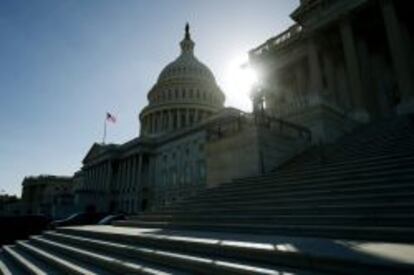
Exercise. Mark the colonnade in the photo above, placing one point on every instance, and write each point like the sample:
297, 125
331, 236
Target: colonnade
342, 84
129, 182
125, 184
171, 119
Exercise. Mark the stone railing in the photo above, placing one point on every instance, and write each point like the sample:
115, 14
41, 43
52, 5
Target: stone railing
285, 127
232, 125
278, 41
226, 127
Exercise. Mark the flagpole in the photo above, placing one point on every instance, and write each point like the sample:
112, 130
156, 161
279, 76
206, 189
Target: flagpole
104, 133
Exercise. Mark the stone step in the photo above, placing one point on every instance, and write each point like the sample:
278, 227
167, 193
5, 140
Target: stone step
24, 262
315, 157
8, 266
322, 219
340, 188
50, 259
385, 142
321, 169
111, 264
398, 171
328, 181
328, 169
391, 234
271, 250
399, 195
195, 263
361, 208
316, 185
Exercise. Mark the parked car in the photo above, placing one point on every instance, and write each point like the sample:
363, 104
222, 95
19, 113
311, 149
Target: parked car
82, 218
111, 218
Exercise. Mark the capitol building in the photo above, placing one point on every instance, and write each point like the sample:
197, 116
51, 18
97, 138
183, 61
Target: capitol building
317, 81
174, 155
317, 179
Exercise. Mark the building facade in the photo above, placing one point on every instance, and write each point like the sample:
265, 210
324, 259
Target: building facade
48, 195
340, 64
179, 150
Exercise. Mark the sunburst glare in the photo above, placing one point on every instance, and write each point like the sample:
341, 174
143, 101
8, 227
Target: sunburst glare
238, 82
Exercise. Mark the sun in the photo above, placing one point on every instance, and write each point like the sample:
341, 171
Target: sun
239, 80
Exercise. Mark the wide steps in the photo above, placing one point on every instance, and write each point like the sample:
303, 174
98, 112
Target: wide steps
406, 220
103, 261
331, 257
382, 185
354, 232
197, 263
8, 266
361, 208
395, 195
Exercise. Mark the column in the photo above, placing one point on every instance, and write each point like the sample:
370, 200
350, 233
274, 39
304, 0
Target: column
139, 181
300, 83
187, 117
146, 124
329, 72
129, 172
153, 123
196, 116
134, 172
108, 176
353, 71
170, 120
399, 55
178, 113
315, 74
123, 176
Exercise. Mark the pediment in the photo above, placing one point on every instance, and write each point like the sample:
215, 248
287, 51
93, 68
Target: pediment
93, 152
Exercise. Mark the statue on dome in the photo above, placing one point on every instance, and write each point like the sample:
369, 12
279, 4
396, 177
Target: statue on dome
187, 31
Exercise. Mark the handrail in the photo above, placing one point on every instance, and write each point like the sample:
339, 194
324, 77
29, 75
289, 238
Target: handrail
287, 35
301, 130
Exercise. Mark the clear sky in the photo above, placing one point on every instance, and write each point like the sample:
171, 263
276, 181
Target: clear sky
63, 64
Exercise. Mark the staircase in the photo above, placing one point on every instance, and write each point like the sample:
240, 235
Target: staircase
346, 208
360, 188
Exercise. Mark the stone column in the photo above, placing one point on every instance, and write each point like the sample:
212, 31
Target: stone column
134, 172
399, 55
315, 74
129, 177
170, 120
153, 123
300, 83
123, 176
187, 117
178, 118
329, 72
147, 125
108, 176
156, 122
353, 71
140, 180
196, 116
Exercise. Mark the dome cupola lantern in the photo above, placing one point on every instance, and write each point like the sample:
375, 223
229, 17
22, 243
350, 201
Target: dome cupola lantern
186, 93
187, 45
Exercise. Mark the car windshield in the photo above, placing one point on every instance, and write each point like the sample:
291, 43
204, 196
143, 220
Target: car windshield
106, 219
73, 216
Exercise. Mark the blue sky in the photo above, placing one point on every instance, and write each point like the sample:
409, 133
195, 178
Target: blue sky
63, 64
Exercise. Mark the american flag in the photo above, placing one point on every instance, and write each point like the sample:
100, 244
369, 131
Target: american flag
110, 118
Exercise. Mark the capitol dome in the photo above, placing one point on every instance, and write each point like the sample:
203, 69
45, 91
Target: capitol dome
186, 66
186, 93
